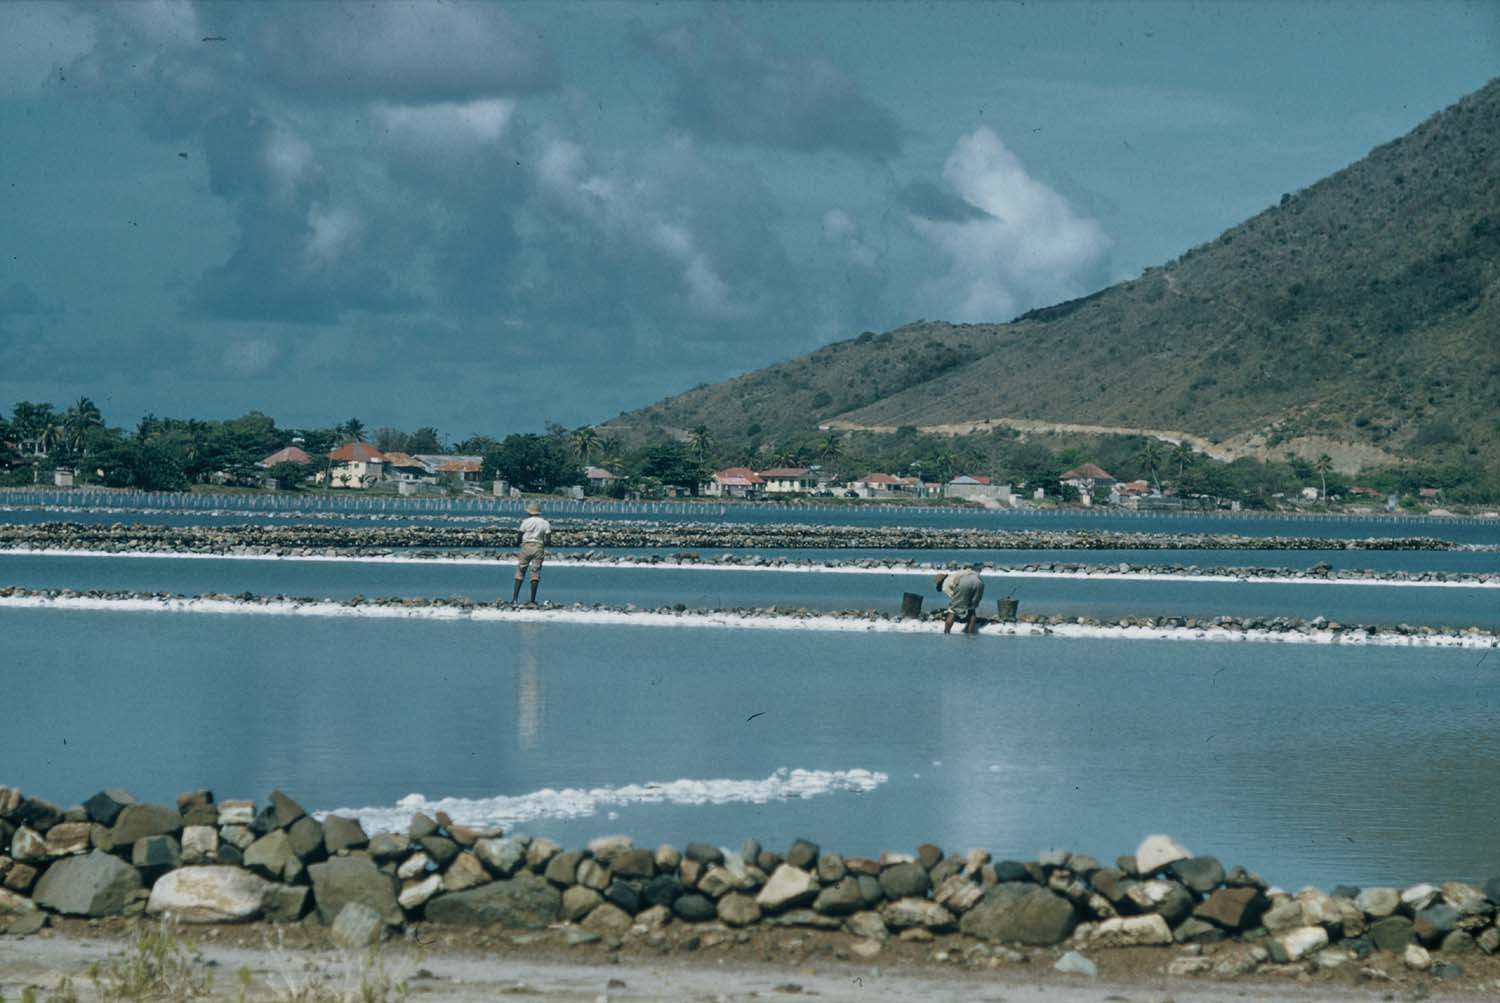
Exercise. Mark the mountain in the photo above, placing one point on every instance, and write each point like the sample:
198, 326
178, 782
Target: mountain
1358, 317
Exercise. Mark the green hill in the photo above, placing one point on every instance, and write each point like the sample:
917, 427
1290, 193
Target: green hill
1358, 317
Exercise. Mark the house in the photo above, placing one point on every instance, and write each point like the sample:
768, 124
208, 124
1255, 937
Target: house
289, 454
733, 482
911, 486
1086, 477
788, 480
1128, 493
357, 465
875, 485
977, 487
407, 469
464, 468
1429, 492
600, 481
62, 477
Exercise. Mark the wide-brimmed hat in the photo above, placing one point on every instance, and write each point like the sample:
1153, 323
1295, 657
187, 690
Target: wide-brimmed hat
941, 578
532, 508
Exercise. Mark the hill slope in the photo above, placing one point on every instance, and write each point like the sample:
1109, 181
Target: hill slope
1361, 314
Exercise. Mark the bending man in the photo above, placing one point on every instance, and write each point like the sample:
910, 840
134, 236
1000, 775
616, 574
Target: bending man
964, 589
533, 538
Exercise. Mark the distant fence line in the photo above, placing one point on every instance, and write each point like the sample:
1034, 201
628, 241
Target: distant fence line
250, 504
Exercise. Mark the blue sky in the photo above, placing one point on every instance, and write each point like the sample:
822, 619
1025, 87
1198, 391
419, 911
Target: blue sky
481, 216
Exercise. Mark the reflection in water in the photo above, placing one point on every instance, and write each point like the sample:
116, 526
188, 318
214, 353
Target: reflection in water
529, 699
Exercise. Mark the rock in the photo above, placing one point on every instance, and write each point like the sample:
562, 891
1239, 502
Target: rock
357, 927
1378, 903
38, 814
1435, 922
634, 863
420, 827
1468, 900
1168, 898
155, 854
341, 880
1488, 940
865, 950
908, 912
1052, 859
694, 908
284, 903
539, 852
526, 901
905, 881
831, 869
1132, 931
1233, 909
958, 894
803, 917
415, 866
788, 886
237, 813
1112, 884
1296, 943
305, 837
270, 855
67, 838
662, 890
703, 853
737, 909
442, 849
868, 925
28, 845
1018, 913
578, 902
667, 858
200, 844
606, 848
105, 806
1416, 958
1392, 933
592, 874
1492, 890
341, 833
624, 895
416, 892
1418, 897
16, 908
388, 846
1157, 852
1460, 942
1201, 874
284, 810
10, 801
96, 884
194, 799
137, 821
1073, 963
803, 855
503, 857
1010, 871
1197, 931
464, 873
608, 920
1284, 914
1179, 967
238, 836
841, 899
207, 894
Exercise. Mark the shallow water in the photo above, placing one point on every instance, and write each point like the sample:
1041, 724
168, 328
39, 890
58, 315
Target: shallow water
719, 588
1308, 764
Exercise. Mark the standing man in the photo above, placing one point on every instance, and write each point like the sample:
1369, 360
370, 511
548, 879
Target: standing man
964, 589
532, 540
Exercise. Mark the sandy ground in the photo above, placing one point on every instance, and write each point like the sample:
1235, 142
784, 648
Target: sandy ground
684, 965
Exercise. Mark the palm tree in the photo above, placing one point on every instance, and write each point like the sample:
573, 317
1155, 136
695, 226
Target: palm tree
829, 447
1149, 455
80, 419
1322, 465
701, 440
1183, 454
354, 429
585, 441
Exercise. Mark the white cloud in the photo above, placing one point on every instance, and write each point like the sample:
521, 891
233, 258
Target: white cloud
35, 40
842, 233
1031, 249
330, 231
448, 125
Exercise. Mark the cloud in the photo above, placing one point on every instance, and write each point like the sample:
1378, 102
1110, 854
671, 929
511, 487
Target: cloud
36, 40
927, 200
1029, 248
731, 88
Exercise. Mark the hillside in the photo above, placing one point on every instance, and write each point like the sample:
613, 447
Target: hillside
1360, 316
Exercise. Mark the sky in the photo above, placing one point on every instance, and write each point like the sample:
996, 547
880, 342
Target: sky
484, 216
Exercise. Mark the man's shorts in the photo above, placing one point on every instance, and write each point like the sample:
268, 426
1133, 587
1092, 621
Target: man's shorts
966, 596
531, 554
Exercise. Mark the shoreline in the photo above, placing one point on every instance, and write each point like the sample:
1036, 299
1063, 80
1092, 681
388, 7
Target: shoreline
1282, 630
733, 562
232, 872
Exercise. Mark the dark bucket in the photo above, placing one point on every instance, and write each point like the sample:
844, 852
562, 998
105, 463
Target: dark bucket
911, 605
1008, 609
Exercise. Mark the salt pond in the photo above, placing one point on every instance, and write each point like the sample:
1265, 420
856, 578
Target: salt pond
1310, 764
717, 587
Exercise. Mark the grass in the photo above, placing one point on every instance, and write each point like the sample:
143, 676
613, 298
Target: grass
156, 965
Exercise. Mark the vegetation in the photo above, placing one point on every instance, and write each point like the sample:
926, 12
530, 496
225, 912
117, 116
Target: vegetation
1359, 317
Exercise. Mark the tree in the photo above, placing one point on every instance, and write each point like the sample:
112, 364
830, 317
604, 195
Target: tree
1149, 455
288, 475
531, 462
702, 440
585, 440
391, 440
425, 440
29, 423
670, 462
1322, 465
1184, 455
354, 429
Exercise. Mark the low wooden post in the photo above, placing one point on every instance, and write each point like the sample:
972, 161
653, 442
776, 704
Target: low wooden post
1007, 609
911, 605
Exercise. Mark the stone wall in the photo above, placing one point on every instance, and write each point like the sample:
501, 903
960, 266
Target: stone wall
234, 861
